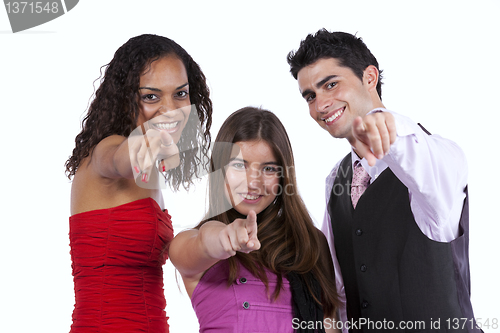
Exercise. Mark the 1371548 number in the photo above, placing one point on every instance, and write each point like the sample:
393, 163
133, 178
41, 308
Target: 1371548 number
32, 7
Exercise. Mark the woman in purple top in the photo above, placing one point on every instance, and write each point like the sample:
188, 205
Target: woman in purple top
256, 263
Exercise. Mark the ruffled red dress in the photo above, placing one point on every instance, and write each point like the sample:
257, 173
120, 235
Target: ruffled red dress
117, 256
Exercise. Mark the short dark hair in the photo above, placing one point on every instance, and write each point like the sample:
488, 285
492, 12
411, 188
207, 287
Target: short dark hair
348, 49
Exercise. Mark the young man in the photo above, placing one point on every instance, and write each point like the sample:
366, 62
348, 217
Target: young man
400, 247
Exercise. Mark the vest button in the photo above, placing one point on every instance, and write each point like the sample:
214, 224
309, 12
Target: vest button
246, 305
243, 280
364, 304
359, 232
363, 268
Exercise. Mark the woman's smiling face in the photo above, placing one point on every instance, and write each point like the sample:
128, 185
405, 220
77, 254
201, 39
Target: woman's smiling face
164, 101
252, 177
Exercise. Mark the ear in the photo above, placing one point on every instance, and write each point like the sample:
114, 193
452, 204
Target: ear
370, 77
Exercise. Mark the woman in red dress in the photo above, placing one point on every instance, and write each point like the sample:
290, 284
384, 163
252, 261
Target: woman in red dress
152, 113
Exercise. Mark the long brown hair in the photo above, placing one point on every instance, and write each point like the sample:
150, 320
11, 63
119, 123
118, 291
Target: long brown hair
115, 110
289, 239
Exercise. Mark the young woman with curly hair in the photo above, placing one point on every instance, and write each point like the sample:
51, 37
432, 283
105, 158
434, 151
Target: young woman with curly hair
256, 263
119, 229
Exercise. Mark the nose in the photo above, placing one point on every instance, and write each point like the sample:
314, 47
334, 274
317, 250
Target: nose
323, 103
254, 178
169, 108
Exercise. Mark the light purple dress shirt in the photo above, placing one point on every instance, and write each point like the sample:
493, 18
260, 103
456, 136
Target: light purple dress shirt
433, 169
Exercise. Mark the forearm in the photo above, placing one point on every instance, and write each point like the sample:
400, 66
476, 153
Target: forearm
121, 161
111, 158
194, 251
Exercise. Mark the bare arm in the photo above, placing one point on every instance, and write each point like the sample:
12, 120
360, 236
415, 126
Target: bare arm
110, 158
120, 157
194, 251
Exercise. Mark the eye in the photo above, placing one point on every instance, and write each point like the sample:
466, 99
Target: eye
309, 98
149, 97
182, 94
270, 169
238, 165
331, 85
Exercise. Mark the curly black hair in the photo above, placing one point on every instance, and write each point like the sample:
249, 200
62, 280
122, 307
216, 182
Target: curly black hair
114, 109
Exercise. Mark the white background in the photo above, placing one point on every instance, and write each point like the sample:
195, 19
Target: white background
441, 67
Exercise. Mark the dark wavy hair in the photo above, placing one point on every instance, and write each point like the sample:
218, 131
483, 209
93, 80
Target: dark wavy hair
289, 240
115, 110
348, 49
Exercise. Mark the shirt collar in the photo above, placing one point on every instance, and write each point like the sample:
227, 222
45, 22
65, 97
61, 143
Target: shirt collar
373, 171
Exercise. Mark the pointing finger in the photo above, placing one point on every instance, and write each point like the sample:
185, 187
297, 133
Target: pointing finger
358, 127
252, 229
363, 150
166, 138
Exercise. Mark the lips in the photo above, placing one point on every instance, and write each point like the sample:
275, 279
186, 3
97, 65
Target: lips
250, 198
333, 116
169, 127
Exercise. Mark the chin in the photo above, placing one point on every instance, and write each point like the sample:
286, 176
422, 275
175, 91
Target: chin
245, 210
242, 211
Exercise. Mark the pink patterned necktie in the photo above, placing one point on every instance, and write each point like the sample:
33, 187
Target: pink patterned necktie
360, 181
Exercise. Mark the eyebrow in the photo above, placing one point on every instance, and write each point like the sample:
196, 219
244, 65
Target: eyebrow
325, 80
156, 89
149, 88
319, 84
244, 161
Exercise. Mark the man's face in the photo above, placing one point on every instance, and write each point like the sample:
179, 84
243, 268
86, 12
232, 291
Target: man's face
335, 95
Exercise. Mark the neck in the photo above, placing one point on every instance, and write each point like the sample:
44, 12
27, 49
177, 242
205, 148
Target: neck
357, 153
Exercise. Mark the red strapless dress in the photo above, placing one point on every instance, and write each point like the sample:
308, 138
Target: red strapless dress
117, 256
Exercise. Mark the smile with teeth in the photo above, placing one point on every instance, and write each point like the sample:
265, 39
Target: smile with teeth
334, 116
166, 126
249, 196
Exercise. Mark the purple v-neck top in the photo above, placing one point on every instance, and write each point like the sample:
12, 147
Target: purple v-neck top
244, 306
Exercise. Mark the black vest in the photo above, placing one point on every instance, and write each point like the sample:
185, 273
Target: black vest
392, 272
